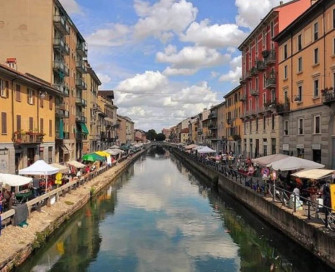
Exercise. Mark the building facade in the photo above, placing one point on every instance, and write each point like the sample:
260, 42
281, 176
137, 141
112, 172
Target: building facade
259, 80
306, 84
27, 106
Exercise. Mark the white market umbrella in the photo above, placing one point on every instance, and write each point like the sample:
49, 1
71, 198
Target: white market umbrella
115, 146
313, 173
40, 168
114, 151
14, 180
206, 149
294, 163
269, 159
190, 146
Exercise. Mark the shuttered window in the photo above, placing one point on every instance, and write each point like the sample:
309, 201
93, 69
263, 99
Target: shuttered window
18, 93
18, 122
50, 128
50, 102
3, 123
4, 84
41, 125
31, 123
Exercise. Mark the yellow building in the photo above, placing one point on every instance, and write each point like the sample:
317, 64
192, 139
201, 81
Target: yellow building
306, 84
27, 121
233, 123
91, 111
46, 43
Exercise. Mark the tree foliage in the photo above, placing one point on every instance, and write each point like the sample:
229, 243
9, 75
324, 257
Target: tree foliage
151, 134
160, 137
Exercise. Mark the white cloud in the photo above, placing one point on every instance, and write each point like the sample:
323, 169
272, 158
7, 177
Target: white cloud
111, 35
163, 18
235, 73
250, 12
190, 59
214, 36
71, 6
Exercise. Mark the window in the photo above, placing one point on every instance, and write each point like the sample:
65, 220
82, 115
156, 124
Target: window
286, 127
300, 126
264, 98
50, 102
299, 95
285, 96
300, 65
50, 151
31, 123
18, 122
250, 126
299, 42
317, 155
3, 123
317, 124
316, 31
18, 92
334, 46
272, 121
4, 84
285, 72
41, 125
272, 29
316, 55
256, 124
50, 128
333, 18
316, 88
256, 84
30, 97
285, 51
264, 39
264, 123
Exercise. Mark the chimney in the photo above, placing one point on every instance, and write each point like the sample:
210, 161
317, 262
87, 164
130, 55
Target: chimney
11, 62
281, 2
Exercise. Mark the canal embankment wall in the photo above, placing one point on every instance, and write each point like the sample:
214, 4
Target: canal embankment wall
18, 243
315, 238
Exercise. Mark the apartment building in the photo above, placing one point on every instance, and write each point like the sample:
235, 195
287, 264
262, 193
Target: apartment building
140, 136
306, 84
215, 126
233, 123
108, 123
125, 130
27, 121
91, 111
259, 80
46, 43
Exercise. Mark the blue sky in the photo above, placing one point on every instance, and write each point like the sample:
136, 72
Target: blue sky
166, 60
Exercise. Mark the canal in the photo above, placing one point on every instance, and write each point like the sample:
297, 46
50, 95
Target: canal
158, 216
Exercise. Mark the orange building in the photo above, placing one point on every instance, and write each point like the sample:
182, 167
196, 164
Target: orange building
27, 121
306, 84
233, 123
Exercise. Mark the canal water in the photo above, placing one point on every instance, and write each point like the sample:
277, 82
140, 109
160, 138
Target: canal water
159, 216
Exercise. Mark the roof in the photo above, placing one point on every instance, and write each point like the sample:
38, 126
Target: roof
106, 93
263, 21
93, 74
232, 91
218, 105
303, 18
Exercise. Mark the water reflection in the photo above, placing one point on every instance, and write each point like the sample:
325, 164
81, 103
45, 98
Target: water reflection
159, 217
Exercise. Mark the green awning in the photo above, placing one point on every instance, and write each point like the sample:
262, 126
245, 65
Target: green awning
84, 128
61, 129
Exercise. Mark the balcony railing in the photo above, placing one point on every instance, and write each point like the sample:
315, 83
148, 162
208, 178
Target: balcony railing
271, 57
61, 46
66, 135
328, 96
81, 118
243, 98
270, 82
254, 92
82, 49
81, 84
253, 71
212, 116
80, 65
261, 66
61, 25
81, 102
63, 88
28, 138
60, 67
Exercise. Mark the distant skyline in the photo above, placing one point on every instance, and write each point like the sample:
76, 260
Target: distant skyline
166, 60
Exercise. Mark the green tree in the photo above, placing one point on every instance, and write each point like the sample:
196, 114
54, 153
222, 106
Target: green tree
151, 134
160, 137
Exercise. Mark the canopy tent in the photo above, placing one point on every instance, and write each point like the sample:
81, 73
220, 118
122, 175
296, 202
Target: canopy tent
313, 173
206, 149
263, 161
198, 147
62, 168
92, 157
115, 146
125, 147
76, 164
114, 152
14, 180
84, 128
39, 167
102, 153
294, 163
190, 146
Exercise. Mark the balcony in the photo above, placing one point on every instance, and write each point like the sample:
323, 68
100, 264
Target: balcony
242, 80
81, 118
82, 49
63, 89
212, 116
243, 98
28, 137
328, 96
81, 102
254, 92
81, 84
61, 25
261, 66
80, 65
282, 108
271, 57
61, 46
65, 136
81, 136
60, 106
253, 71
212, 127
229, 121
270, 82
60, 113
60, 67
